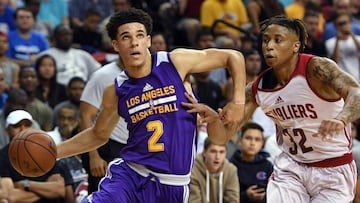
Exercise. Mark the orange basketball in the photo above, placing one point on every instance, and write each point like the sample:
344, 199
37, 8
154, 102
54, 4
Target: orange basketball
32, 152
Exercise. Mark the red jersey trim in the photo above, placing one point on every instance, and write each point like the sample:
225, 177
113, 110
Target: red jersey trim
332, 162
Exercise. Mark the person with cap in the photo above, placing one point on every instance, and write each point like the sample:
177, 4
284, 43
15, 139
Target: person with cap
42, 189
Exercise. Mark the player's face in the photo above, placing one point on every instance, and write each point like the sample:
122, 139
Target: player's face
132, 43
214, 157
251, 142
279, 45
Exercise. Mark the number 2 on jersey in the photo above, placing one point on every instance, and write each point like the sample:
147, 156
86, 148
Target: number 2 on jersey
157, 128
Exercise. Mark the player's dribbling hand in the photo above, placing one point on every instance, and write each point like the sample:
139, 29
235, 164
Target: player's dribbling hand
207, 115
329, 128
232, 113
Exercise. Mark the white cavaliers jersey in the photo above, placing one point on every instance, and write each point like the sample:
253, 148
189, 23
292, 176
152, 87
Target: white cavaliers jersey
298, 112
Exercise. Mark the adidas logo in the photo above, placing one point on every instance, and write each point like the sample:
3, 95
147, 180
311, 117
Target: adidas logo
147, 87
279, 100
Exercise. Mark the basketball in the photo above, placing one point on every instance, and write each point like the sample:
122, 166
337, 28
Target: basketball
32, 152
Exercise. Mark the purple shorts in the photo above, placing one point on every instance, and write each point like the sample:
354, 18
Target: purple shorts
121, 184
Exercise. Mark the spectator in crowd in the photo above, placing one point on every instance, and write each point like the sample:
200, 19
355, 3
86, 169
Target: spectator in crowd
3, 94
49, 90
355, 11
344, 49
54, 11
354, 134
74, 91
66, 127
158, 42
213, 177
260, 10
117, 5
47, 188
252, 64
299, 7
189, 22
16, 100
330, 30
230, 11
78, 8
314, 45
24, 43
7, 22
86, 36
253, 168
10, 69
40, 111
42, 26
70, 61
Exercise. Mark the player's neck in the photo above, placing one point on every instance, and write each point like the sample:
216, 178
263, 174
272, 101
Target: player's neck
139, 71
284, 71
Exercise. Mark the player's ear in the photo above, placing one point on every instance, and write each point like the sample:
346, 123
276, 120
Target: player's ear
297, 47
148, 41
115, 45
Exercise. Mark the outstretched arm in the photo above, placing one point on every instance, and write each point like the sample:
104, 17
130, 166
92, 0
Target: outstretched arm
91, 138
189, 61
331, 82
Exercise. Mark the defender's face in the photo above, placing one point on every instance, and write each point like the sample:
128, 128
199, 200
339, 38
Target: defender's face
132, 43
279, 44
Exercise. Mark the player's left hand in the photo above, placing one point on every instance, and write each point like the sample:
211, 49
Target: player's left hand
329, 128
232, 113
207, 115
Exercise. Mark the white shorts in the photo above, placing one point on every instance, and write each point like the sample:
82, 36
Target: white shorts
297, 183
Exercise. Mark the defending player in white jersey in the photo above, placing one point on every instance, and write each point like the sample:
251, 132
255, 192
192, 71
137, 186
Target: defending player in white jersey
312, 103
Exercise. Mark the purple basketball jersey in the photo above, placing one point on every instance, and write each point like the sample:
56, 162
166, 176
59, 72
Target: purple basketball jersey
161, 132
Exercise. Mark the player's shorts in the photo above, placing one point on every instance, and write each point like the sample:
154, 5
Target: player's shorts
123, 185
298, 183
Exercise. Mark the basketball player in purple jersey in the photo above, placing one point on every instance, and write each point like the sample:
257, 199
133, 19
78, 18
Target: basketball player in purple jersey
312, 102
156, 162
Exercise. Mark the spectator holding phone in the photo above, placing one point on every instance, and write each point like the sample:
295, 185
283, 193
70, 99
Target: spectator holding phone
253, 167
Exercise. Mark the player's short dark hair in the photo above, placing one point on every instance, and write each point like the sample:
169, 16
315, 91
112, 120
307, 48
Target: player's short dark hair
128, 16
293, 24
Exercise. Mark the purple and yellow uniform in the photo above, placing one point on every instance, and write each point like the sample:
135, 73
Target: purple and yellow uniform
160, 150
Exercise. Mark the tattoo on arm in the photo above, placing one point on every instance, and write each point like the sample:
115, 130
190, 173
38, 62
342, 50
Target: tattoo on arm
248, 93
343, 84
